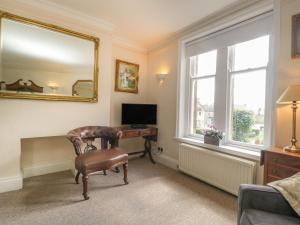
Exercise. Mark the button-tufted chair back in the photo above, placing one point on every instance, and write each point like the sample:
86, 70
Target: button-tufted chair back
86, 135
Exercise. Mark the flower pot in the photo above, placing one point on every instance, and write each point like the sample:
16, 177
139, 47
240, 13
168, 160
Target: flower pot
212, 140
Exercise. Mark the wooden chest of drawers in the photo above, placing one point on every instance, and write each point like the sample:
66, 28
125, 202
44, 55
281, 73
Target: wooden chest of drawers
279, 164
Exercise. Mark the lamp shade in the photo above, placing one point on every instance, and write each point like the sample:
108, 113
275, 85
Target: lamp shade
291, 94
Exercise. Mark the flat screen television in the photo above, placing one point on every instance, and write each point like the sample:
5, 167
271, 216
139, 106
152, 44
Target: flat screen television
139, 115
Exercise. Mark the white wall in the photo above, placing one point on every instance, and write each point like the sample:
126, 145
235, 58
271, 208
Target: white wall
27, 119
117, 98
49, 154
21, 119
32, 132
46, 155
165, 58
1, 77
288, 72
1, 62
160, 61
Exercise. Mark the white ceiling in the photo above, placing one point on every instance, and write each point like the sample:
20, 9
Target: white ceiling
146, 22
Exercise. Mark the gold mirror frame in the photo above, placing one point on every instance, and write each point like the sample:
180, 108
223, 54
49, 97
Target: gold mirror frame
6, 15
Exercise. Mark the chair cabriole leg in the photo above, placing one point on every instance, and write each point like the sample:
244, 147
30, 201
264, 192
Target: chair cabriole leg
85, 186
77, 177
125, 166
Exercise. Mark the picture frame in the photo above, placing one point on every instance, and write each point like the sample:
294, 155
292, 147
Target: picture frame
296, 36
126, 77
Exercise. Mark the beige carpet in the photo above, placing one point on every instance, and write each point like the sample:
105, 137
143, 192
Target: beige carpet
156, 195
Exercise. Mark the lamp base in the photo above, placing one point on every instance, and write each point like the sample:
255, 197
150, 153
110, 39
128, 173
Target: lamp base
292, 148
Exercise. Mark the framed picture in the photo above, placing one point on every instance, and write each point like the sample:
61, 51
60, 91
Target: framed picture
296, 36
127, 77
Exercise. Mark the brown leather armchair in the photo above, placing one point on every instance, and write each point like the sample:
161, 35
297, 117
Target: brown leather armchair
90, 159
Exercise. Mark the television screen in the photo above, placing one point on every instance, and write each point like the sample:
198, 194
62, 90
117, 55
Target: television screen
139, 114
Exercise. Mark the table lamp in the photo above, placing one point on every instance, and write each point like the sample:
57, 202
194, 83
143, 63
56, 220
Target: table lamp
291, 96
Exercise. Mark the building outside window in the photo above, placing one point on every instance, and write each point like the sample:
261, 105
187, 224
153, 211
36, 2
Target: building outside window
248, 90
202, 75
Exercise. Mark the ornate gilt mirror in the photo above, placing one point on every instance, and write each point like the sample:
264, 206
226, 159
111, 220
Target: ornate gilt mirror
46, 62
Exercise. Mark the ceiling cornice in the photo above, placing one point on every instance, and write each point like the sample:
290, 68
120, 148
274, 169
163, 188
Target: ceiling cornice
67, 12
107, 27
117, 40
125, 43
239, 7
21, 6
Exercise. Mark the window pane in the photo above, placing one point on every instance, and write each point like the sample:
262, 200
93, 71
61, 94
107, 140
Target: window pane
203, 104
248, 107
251, 54
204, 64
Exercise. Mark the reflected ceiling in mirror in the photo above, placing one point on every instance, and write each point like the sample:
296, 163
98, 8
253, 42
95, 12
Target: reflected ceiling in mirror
43, 61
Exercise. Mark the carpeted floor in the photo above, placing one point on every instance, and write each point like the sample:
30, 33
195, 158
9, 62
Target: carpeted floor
155, 195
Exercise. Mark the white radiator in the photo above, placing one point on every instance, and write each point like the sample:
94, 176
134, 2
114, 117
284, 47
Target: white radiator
223, 171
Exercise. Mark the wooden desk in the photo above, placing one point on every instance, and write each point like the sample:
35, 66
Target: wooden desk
279, 164
149, 134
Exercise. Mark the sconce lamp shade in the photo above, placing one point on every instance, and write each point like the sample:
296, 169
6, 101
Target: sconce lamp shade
161, 77
291, 94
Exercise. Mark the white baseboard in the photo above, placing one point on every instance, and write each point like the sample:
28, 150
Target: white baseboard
46, 169
11, 183
167, 161
134, 156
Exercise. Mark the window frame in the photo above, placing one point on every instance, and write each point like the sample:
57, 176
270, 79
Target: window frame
184, 90
228, 138
192, 79
229, 102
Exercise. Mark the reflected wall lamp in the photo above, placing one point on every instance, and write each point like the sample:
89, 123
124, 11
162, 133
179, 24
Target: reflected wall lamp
53, 87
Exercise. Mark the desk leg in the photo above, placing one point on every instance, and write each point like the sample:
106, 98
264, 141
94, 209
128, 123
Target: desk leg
144, 153
148, 150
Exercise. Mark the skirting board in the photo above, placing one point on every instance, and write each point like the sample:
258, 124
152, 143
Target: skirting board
11, 183
46, 169
167, 161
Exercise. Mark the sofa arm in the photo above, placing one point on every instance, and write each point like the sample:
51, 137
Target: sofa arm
262, 198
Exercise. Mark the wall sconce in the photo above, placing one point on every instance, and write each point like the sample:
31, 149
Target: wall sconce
161, 78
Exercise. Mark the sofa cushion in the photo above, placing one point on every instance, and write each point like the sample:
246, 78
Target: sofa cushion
257, 217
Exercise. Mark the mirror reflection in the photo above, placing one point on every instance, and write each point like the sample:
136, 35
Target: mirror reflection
39, 61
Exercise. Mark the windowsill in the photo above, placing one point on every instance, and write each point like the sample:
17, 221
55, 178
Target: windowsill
235, 151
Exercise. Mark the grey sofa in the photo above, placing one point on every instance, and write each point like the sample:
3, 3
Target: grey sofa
263, 205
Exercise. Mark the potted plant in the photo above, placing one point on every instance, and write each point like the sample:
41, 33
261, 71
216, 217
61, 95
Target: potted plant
213, 136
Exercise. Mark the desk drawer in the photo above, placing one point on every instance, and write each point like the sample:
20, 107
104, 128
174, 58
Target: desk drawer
131, 134
149, 132
283, 160
276, 170
153, 131
145, 132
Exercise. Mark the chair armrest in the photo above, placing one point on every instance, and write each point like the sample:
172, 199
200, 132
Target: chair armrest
262, 198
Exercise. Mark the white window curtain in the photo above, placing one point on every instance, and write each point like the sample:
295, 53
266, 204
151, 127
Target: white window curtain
247, 30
